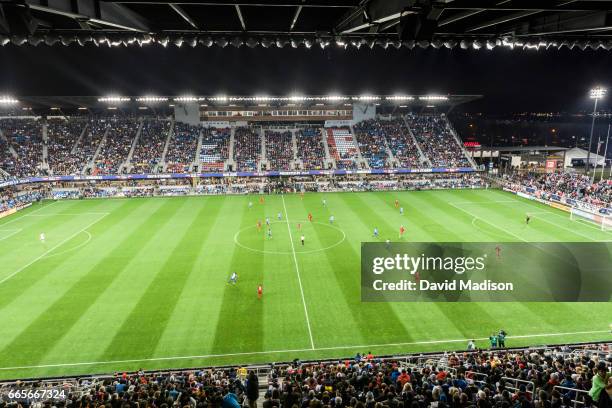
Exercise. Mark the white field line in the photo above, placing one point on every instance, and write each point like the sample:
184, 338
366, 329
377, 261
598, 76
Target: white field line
253, 353
565, 228
14, 231
490, 223
25, 215
49, 251
482, 202
297, 271
67, 214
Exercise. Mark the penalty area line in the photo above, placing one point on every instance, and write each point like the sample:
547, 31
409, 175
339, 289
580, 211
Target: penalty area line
254, 353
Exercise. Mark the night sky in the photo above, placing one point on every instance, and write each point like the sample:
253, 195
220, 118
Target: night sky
511, 81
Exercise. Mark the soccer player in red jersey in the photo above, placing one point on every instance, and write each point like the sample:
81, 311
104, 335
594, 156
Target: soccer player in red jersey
302, 195
417, 277
299, 226
261, 200
258, 225
401, 231
310, 217
259, 291
498, 251
396, 203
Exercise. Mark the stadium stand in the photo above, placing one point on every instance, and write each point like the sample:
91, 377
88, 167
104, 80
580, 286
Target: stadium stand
372, 142
182, 149
310, 148
23, 150
400, 142
436, 141
89, 143
567, 185
214, 151
104, 146
150, 147
279, 149
116, 146
62, 137
247, 149
543, 377
342, 147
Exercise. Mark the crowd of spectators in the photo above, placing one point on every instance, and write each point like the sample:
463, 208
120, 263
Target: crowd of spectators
150, 147
342, 148
247, 149
215, 148
566, 185
400, 142
182, 149
89, 143
279, 149
371, 137
62, 136
10, 199
24, 136
21, 146
117, 145
310, 148
543, 377
436, 141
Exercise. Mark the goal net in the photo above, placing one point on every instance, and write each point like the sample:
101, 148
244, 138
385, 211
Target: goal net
602, 220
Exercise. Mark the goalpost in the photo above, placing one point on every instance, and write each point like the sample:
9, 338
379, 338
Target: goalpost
602, 220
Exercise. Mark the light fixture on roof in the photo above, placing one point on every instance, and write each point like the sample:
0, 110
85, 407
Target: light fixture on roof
178, 41
7, 100
151, 99
433, 98
450, 44
252, 42
163, 41
399, 98
266, 42
221, 42
186, 99
237, 42
82, 108
114, 99
50, 40
282, 42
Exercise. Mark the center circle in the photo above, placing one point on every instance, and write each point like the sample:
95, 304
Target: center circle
307, 228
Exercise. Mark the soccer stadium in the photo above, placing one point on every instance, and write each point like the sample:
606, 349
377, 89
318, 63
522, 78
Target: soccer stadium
283, 248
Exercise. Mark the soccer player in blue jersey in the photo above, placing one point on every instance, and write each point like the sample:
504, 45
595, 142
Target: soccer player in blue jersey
268, 221
401, 210
375, 232
280, 216
233, 279
269, 233
331, 219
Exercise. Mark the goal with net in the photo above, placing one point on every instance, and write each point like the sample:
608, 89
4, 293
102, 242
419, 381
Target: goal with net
602, 220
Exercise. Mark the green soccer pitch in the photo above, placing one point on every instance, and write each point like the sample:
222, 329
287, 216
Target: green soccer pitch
123, 284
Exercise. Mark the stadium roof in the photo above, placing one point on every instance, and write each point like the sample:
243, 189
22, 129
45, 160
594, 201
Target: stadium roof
228, 102
342, 23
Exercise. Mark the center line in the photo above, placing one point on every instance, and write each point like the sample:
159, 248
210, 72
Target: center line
297, 270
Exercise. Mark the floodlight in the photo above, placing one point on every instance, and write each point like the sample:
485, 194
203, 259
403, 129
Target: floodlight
7, 100
151, 99
114, 99
597, 93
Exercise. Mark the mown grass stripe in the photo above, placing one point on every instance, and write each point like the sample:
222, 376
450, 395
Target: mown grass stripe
66, 310
142, 329
239, 302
